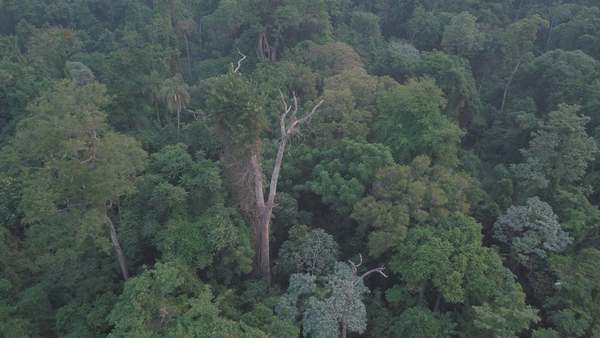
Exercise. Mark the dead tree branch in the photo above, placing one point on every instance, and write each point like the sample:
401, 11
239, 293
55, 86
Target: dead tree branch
239, 63
380, 270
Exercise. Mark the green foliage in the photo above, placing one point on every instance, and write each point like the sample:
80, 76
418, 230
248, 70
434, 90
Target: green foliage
559, 153
169, 301
80, 73
418, 322
263, 318
562, 77
531, 230
507, 318
344, 306
73, 163
344, 172
574, 308
307, 251
462, 35
441, 256
403, 196
410, 122
441, 121
454, 76
236, 107
51, 48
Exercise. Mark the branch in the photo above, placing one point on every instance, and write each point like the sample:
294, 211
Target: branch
286, 110
355, 266
306, 117
239, 63
378, 270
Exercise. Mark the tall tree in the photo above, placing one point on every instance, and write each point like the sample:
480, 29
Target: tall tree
559, 153
76, 169
531, 231
174, 92
517, 47
236, 107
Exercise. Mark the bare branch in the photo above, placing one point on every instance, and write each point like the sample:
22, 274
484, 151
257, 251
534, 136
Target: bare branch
378, 270
239, 63
295, 104
305, 118
355, 266
286, 110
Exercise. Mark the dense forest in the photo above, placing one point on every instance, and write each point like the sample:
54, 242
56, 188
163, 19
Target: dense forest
299, 168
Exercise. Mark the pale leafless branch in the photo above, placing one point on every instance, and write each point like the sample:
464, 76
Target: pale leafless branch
355, 266
305, 118
239, 63
378, 270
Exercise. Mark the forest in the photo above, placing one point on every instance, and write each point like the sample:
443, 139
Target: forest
299, 168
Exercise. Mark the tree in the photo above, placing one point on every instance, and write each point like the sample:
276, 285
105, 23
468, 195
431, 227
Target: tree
74, 165
507, 318
574, 308
531, 231
180, 201
168, 300
559, 153
51, 48
516, 46
241, 122
462, 36
454, 76
174, 92
342, 311
80, 73
411, 123
420, 322
559, 76
344, 172
404, 196
307, 251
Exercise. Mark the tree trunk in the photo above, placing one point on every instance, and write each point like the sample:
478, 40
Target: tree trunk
344, 332
188, 55
117, 246
264, 210
178, 121
263, 250
438, 299
507, 86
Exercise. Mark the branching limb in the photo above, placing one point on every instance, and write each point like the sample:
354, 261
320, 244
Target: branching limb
355, 266
239, 63
380, 270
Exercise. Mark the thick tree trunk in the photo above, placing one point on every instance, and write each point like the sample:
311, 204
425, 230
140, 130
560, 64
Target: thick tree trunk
117, 246
263, 251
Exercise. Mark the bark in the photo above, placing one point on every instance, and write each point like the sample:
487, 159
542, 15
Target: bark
117, 246
344, 332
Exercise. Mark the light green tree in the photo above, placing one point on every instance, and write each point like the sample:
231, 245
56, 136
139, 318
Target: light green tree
463, 36
76, 169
